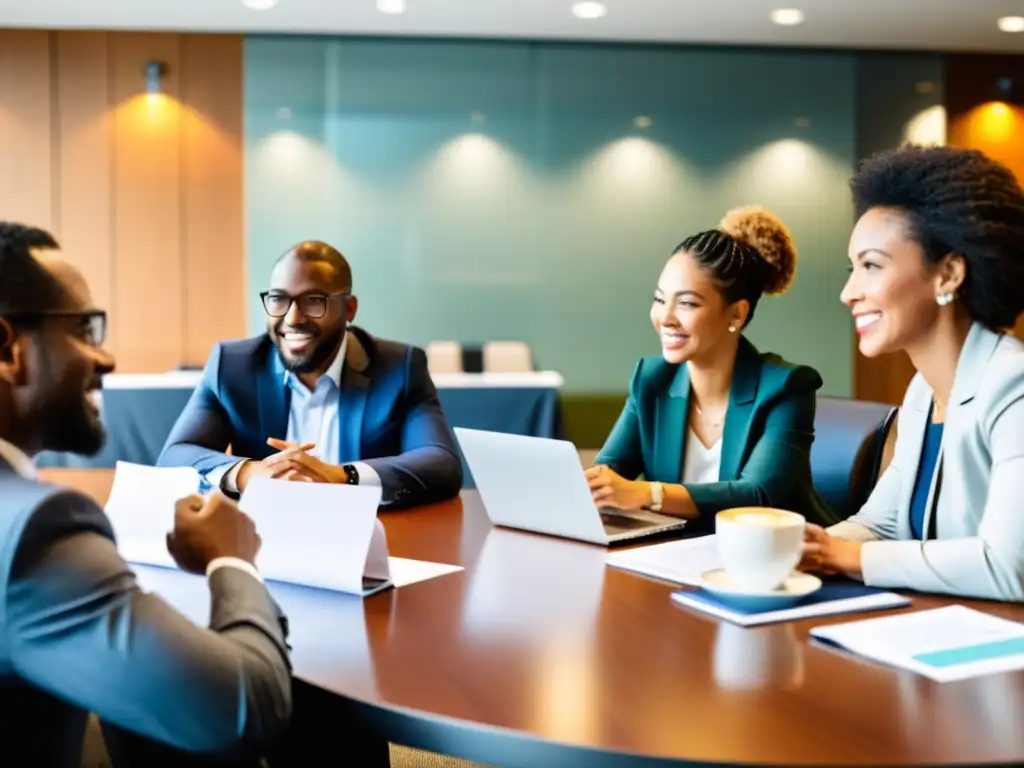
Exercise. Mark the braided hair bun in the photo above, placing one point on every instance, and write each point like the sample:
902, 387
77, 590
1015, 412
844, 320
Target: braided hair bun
759, 229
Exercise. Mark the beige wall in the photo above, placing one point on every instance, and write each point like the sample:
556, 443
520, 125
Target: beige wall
144, 192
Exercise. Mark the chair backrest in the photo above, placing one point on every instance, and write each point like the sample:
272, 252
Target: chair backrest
849, 436
507, 357
444, 357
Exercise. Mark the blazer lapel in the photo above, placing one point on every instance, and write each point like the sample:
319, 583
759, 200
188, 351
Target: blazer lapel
970, 368
739, 415
670, 427
352, 394
274, 398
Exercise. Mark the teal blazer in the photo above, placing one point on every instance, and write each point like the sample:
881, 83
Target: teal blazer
766, 440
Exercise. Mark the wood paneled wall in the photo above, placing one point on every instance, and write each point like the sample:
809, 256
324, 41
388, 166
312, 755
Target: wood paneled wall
143, 191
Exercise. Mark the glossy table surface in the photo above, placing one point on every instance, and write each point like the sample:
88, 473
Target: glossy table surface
538, 643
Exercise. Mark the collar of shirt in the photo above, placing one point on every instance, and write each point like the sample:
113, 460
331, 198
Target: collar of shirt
333, 372
19, 460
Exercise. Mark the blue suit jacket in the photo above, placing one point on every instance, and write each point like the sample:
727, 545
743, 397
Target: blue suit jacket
766, 442
389, 417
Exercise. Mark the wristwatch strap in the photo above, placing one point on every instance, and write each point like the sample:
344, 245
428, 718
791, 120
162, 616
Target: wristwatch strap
351, 474
657, 496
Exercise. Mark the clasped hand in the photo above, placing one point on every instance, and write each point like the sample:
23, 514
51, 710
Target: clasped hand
827, 554
291, 462
610, 489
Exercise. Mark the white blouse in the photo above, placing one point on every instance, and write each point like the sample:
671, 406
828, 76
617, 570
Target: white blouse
700, 464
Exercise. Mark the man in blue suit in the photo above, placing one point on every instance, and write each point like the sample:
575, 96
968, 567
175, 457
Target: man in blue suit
316, 399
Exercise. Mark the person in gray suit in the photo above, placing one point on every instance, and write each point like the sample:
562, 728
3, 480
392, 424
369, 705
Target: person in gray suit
77, 634
937, 261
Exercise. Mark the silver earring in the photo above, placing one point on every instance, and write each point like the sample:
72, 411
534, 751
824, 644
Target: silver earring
732, 329
944, 298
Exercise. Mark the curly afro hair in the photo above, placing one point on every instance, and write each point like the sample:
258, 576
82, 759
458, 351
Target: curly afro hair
750, 254
957, 201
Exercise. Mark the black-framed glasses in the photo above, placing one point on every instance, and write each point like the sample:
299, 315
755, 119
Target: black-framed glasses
311, 305
91, 326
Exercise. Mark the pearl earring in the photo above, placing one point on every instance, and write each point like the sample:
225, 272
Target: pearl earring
732, 329
944, 298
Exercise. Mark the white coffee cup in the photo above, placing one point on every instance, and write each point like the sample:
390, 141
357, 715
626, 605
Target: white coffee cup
759, 546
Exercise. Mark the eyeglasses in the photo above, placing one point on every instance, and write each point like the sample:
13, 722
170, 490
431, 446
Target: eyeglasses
311, 305
91, 326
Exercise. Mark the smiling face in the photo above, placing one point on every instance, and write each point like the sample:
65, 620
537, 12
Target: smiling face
892, 288
690, 315
55, 365
315, 310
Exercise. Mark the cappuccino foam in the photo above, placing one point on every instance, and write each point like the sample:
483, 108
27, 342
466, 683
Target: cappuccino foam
762, 518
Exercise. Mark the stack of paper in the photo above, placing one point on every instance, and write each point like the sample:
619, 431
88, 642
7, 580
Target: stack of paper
945, 644
832, 598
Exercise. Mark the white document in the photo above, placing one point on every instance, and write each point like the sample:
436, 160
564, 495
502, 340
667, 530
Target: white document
945, 644
678, 562
141, 509
319, 534
405, 572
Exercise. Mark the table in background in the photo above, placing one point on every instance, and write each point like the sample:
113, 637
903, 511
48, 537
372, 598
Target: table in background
140, 410
539, 655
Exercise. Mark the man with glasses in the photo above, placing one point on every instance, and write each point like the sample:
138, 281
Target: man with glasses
315, 399
77, 634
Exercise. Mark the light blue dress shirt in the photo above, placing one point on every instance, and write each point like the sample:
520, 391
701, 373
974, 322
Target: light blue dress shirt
312, 418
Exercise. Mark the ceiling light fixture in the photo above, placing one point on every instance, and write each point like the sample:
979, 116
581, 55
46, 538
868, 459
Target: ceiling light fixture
589, 10
787, 17
391, 7
259, 5
1011, 24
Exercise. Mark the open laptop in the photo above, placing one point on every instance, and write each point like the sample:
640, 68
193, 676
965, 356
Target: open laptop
537, 484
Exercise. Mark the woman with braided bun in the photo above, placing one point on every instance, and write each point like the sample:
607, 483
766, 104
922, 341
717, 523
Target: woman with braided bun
712, 423
937, 272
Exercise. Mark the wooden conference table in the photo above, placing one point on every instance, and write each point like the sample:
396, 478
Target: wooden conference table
539, 655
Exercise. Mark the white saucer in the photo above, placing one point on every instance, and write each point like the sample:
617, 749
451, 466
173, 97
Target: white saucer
789, 593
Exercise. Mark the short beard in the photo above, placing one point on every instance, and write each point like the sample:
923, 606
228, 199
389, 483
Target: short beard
321, 355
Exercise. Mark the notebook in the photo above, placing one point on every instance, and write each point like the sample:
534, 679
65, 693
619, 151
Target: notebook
834, 597
944, 644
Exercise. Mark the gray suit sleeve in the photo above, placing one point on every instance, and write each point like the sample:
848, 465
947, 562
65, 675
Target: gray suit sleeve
78, 626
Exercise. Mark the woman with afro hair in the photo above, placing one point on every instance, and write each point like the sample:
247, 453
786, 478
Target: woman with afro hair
937, 272
711, 423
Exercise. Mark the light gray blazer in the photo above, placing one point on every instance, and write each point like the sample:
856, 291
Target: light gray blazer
979, 509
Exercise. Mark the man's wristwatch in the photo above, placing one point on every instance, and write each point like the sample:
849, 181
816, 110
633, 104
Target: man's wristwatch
657, 496
351, 474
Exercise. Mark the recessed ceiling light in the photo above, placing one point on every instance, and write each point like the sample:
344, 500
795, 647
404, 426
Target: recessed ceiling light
642, 122
393, 7
1012, 24
787, 17
589, 10
259, 5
